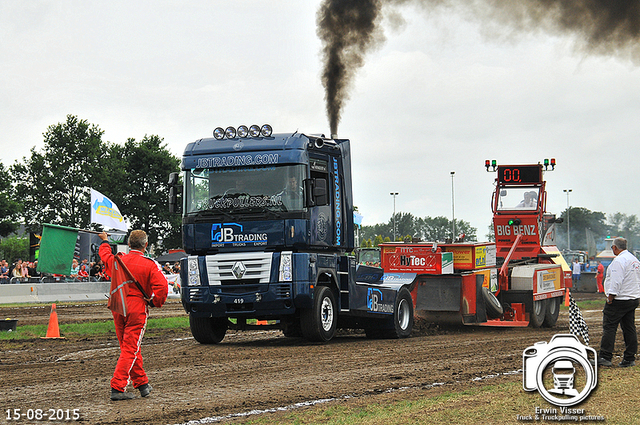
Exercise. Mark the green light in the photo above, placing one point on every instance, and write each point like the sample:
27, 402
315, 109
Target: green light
514, 221
546, 162
494, 163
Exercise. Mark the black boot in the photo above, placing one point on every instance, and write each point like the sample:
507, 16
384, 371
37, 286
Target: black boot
145, 390
121, 395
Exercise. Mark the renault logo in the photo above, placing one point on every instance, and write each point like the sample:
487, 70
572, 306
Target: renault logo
238, 270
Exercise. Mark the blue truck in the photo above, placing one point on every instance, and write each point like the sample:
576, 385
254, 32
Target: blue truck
267, 223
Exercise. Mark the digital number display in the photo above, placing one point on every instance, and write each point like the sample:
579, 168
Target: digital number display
519, 174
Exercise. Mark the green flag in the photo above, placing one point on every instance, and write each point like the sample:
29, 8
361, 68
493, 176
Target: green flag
56, 249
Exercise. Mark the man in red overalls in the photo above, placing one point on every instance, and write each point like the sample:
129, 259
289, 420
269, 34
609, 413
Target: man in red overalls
130, 328
599, 276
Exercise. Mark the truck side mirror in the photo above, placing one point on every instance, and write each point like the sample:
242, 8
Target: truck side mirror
320, 192
174, 190
316, 190
174, 179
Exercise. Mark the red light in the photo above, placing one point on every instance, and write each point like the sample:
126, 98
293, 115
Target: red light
487, 163
553, 162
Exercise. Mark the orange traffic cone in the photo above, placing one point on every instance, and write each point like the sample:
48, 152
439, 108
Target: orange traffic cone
53, 331
566, 298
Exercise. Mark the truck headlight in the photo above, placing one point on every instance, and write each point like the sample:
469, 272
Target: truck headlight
286, 267
193, 271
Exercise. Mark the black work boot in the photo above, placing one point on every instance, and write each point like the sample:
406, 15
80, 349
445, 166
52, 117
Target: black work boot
121, 395
145, 390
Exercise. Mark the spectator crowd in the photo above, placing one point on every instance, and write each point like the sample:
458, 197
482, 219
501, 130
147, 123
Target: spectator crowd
24, 271
81, 271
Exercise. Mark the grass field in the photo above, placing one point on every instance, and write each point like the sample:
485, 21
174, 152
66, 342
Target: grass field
614, 401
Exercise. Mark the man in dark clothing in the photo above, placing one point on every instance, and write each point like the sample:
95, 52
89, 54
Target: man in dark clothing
622, 288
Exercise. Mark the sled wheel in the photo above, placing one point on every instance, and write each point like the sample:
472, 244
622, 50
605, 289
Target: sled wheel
552, 311
538, 313
491, 303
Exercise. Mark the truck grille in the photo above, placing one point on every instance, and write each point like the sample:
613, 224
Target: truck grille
238, 269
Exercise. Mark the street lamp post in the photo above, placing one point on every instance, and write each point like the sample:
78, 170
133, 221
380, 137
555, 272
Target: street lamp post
394, 194
453, 210
568, 191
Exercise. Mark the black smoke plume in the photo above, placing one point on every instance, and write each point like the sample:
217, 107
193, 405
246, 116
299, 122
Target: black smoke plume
349, 29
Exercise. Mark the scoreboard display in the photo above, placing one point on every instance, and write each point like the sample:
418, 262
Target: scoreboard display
519, 174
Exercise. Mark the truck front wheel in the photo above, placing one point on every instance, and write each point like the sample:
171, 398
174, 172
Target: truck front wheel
208, 330
538, 313
319, 322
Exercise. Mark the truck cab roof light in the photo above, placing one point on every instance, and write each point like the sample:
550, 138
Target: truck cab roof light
230, 132
254, 131
218, 133
266, 130
243, 131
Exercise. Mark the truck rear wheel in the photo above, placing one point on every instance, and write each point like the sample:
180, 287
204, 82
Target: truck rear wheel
400, 326
538, 313
208, 330
319, 323
552, 311
402, 316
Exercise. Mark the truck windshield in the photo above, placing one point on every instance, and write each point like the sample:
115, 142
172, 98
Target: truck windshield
518, 198
247, 189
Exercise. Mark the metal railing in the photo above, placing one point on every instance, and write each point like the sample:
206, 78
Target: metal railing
50, 279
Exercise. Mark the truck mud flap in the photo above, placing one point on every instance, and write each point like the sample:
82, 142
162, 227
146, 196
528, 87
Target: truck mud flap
439, 293
441, 299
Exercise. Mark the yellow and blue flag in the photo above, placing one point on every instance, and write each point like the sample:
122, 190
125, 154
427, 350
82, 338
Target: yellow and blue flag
105, 212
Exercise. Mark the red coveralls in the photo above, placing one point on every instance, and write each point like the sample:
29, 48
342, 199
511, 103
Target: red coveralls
599, 277
130, 328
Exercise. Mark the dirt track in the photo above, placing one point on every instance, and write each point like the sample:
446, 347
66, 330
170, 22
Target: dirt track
251, 370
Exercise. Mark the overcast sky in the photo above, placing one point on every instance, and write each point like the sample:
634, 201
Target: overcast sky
439, 95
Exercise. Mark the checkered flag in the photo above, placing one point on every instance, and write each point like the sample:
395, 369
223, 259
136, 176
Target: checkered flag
577, 325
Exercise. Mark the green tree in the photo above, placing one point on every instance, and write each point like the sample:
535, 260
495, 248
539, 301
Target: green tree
426, 229
626, 226
14, 247
581, 219
54, 185
405, 225
366, 243
491, 235
143, 186
9, 207
439, 229
378, 240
